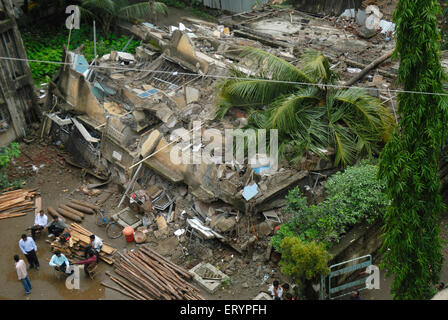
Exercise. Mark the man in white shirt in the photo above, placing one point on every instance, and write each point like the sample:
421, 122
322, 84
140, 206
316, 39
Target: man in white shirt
94, 246
276, 290
40, 223
22, 274
29, 248
60, 262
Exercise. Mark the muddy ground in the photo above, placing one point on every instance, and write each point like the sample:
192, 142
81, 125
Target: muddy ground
58, 182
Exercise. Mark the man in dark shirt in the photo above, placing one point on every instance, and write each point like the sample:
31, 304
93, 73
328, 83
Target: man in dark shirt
89, 263
355, 295
56, 227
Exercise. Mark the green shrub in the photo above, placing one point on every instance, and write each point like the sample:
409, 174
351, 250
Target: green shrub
353, 196
47, 45
6, 154
303, 260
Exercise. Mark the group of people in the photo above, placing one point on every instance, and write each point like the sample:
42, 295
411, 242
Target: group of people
280, 292
56, 228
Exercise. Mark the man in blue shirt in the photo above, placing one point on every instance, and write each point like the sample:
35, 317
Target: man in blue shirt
60, 262
29, 248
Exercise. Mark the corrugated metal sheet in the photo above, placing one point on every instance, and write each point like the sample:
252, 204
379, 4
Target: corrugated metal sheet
235, 6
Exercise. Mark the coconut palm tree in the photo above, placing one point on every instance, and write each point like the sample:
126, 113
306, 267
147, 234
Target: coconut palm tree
107, 11
310, 113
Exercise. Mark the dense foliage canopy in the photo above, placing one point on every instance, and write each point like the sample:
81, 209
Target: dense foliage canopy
409, 162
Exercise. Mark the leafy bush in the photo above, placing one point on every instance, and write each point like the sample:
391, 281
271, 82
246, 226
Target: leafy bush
47, 44
303, 260
6, 154
353, 196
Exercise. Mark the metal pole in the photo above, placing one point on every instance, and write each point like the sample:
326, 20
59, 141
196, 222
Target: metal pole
130, 184
94, 41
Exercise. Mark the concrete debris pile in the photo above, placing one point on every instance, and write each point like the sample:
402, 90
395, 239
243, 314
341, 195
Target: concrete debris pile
79, 239
123, 114
145, 275
17, 203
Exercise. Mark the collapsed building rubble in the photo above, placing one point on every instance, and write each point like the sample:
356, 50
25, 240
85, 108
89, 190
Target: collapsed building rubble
117, 117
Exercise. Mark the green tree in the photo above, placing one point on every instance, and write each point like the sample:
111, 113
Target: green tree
409, 161
303, 260
107, 12
309, 116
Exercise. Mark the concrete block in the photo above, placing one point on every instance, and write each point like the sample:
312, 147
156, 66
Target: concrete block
262, 296
192, 94
121, 222
210, 285
150, 143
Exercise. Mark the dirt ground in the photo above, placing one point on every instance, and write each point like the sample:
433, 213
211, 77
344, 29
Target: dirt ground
59, 182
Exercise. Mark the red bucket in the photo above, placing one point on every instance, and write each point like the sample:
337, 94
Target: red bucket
129, 234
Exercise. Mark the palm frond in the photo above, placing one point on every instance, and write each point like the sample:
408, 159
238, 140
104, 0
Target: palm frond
277, 68
88, 13
317, 66
135, 11
108, 6
258, 119
255, 91
161, 8
364, 107
344, 144
282, 113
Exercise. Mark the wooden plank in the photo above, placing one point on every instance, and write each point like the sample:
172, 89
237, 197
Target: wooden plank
86, 204
38, 205
69, 215
67, 208
12, 215
80, 208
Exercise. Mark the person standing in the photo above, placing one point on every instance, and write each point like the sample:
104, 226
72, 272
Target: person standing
276, 290
29, 248
40, 223
22, 274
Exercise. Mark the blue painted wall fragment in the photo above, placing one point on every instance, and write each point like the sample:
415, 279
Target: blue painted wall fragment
250, 191
148, 93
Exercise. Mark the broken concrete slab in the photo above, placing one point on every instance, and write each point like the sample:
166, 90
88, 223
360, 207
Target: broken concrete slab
225, 224
182, 51
208, 277
150, 143
192, 94
263, 296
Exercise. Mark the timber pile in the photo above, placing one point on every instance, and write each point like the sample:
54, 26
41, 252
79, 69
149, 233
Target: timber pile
74, 210
16, 203
79, 239
146, 275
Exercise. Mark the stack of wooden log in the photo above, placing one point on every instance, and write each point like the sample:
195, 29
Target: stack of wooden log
79, 239
16, 203
74, 210
146, 275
